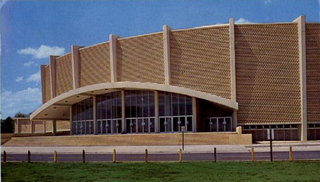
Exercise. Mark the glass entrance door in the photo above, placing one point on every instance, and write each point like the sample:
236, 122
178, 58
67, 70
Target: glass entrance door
140, 125
220, 124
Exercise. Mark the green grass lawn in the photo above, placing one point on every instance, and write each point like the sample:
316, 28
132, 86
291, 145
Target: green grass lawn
160, 171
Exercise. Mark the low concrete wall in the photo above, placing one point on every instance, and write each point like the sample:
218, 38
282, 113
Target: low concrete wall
135, 140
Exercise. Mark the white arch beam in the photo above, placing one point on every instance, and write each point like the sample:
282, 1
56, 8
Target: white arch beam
137, 85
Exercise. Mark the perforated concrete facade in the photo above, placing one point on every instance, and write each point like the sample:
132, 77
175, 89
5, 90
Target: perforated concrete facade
266, 74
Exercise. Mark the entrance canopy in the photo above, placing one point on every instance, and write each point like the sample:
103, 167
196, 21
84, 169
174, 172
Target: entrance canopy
58, 108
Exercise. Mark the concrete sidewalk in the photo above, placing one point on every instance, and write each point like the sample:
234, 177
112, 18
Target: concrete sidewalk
262, 147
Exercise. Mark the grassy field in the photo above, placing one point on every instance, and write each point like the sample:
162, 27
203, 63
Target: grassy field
186, 171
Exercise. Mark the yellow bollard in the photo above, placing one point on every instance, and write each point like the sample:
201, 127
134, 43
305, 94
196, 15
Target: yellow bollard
252, 154
146, 156
55, 156
290, 154
180, 156
114, 156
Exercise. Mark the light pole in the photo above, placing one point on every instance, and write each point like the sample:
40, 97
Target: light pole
183, 128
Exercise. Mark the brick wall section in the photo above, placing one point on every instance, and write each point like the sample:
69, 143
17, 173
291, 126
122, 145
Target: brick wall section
37, 126
48, 126
200, 60
140, 59
63, 74
48, 84
24, 125
95, 64
63, 125
313, 71
267, 73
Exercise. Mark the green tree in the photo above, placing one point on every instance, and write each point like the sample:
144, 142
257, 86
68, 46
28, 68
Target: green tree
20, 114
7, 125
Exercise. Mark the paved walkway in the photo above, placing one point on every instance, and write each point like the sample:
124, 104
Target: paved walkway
262, 147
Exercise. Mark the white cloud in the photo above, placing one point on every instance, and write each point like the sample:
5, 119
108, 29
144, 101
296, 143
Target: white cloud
242, 21
34, 77
28, 64
42, 52
267, 1
24, 101
19, 79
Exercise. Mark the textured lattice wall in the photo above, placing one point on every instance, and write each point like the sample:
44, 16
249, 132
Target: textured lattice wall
313, 71
48, 84
267, 73
95, 64
140, 59
63, 74
200, 60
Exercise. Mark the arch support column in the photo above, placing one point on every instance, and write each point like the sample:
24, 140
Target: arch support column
156, 113
54, 127
123, 112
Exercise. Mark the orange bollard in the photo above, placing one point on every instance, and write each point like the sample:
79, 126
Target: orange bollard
290, 154
252, 154
146, 156
114, 156
55, 156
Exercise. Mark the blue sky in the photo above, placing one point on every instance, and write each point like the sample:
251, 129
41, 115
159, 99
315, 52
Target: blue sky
31, 30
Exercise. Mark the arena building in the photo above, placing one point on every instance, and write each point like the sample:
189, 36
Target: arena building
209, 79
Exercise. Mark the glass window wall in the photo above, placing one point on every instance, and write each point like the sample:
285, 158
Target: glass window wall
82, 117
175, 111
109, 114
140, 111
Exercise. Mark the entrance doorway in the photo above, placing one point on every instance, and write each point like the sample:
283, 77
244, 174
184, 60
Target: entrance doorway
140, 125
220, 124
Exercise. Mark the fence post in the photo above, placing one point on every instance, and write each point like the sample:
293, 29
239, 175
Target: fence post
215, 155
180, 156
4, 156
114, 159
290, 154
146, 156
55, 156
83, 156
252, 154
29, 156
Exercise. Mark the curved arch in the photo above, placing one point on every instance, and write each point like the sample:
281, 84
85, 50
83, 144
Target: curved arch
138, 85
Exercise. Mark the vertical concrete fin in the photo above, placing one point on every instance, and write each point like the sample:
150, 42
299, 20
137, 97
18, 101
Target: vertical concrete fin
233, 69
113, 57
232, 59
53, 75
303, 72
76, 61
166, 51
43, 82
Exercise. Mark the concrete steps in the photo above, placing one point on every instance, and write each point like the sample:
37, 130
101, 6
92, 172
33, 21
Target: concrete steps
161, 139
